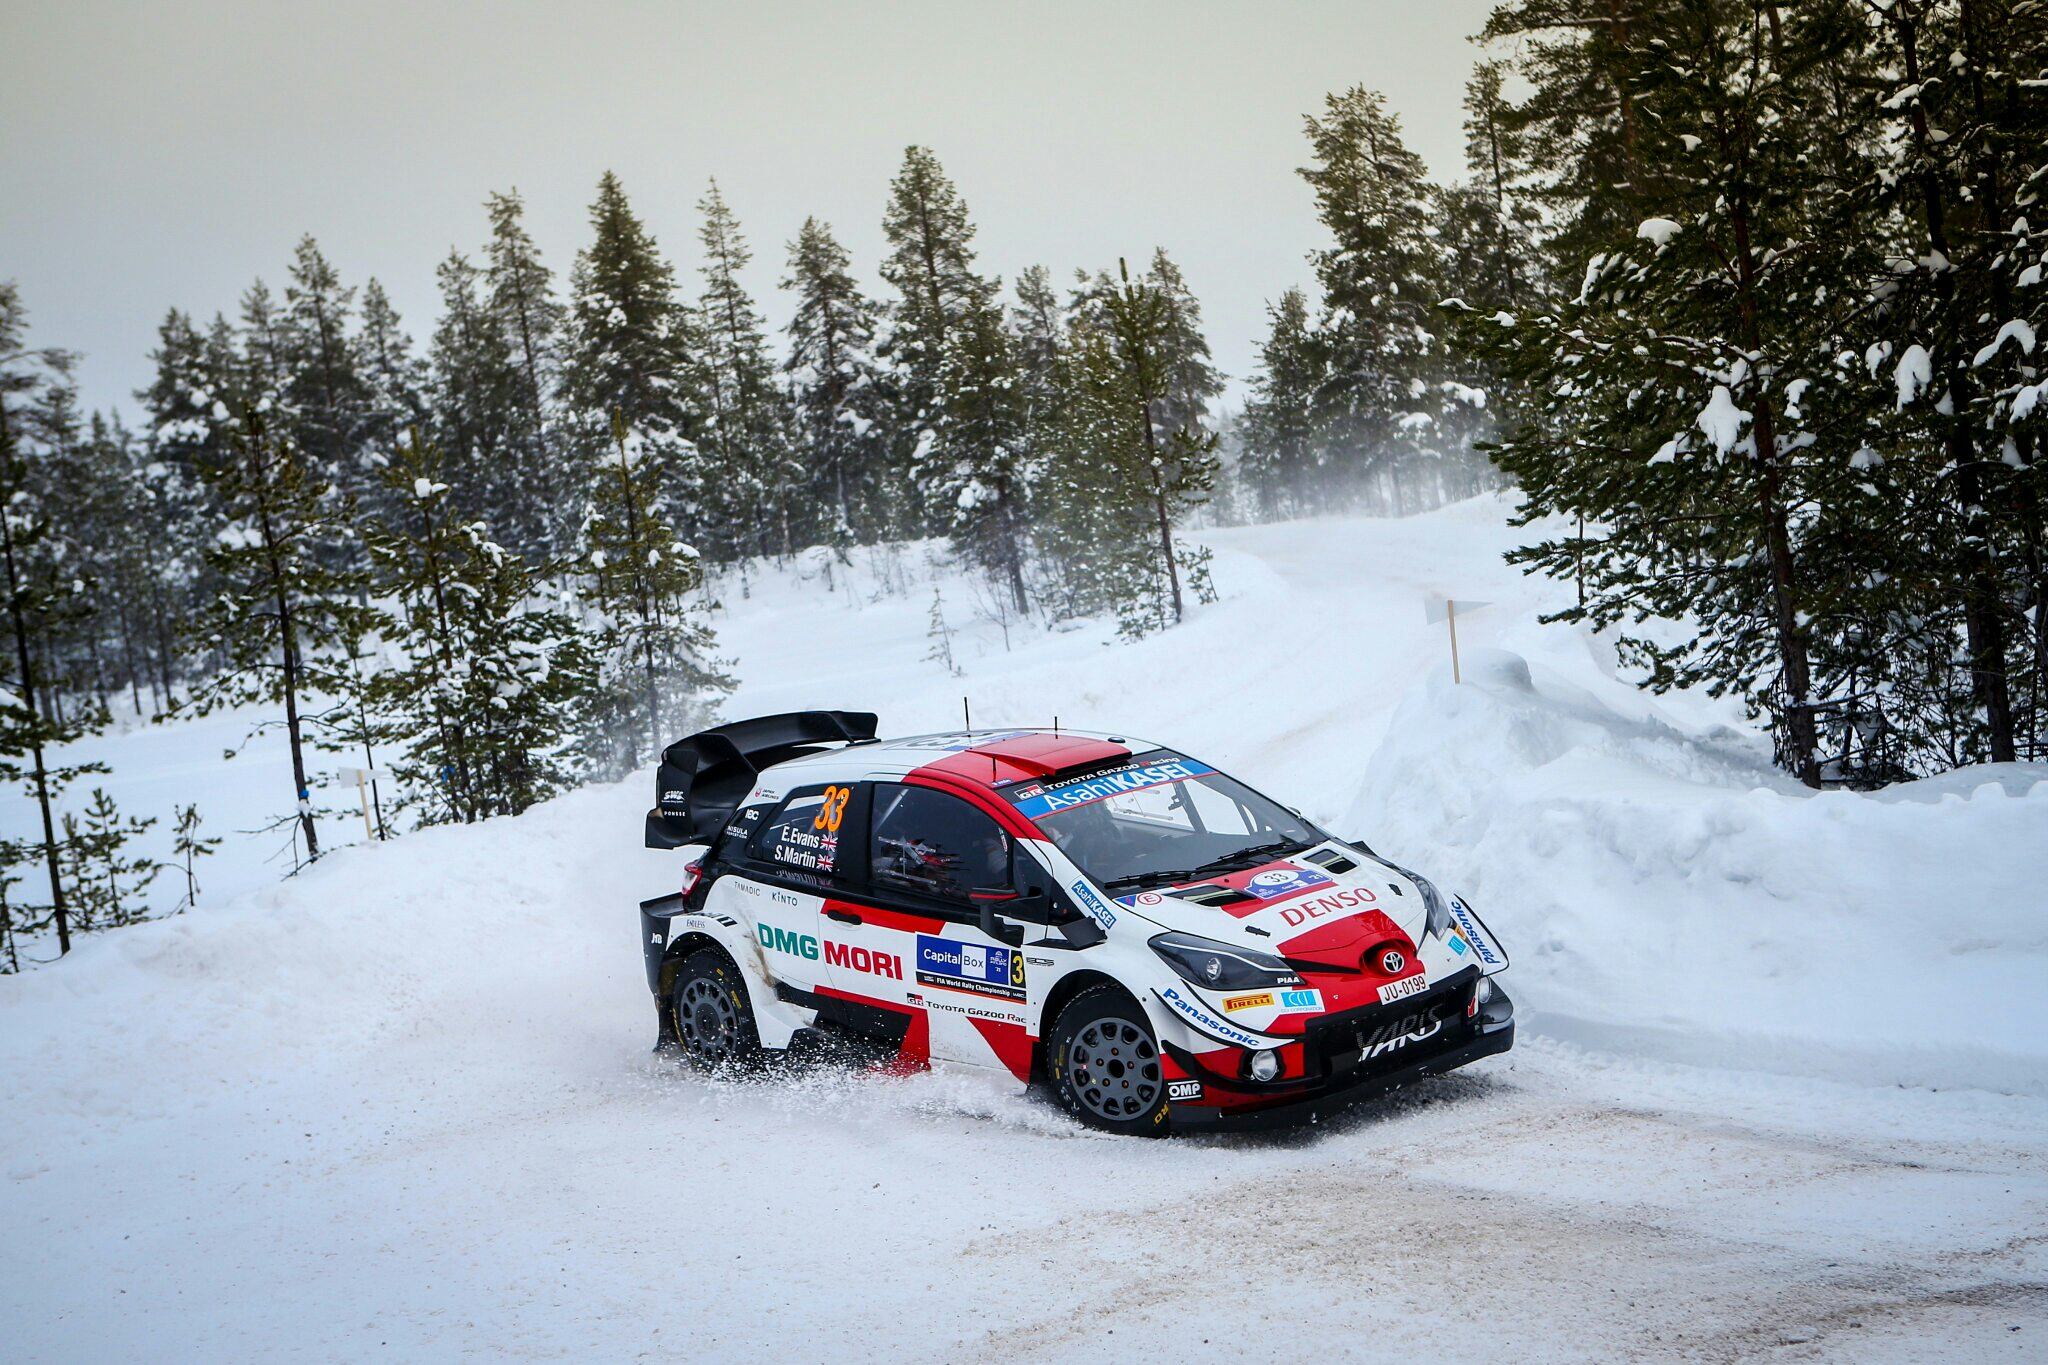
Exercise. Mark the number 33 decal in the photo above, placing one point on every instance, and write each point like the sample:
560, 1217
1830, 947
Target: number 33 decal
833, 810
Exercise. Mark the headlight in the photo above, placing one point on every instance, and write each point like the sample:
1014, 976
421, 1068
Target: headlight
1219, 966
1432, 901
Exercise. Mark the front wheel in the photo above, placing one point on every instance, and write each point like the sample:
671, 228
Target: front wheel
1104, 1064
714, 1020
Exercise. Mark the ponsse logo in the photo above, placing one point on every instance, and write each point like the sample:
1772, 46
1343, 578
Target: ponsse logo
1336, 903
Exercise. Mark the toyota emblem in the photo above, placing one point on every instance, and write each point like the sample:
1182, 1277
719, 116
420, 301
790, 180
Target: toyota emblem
1393, 961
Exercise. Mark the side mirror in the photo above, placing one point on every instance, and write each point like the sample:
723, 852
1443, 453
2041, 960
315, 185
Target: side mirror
992, 924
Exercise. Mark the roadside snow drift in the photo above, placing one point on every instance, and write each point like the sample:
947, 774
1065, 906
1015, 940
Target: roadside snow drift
1782, 1089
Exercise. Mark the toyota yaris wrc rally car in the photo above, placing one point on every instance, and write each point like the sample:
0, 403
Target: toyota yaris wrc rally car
1157, 944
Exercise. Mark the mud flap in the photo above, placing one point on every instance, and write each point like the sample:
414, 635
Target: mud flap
654, 932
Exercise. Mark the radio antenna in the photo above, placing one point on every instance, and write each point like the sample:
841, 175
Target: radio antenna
966, 716
1055, 726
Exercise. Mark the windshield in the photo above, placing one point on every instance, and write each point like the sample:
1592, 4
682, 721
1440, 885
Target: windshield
1158, 817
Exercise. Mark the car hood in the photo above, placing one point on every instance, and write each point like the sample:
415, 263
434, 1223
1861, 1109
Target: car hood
1328, 904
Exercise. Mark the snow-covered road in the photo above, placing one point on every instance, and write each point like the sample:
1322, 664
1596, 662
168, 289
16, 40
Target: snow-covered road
402, 1107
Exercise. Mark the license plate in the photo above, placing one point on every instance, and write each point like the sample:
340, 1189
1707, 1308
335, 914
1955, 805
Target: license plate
1402, 989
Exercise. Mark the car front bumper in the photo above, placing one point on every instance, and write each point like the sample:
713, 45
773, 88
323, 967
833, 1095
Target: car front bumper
1491, 1031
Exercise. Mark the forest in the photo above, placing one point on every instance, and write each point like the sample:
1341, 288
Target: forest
1739, 300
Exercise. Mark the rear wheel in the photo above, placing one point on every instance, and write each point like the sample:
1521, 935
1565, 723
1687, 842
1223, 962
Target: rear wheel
714, 1019
1105, 1066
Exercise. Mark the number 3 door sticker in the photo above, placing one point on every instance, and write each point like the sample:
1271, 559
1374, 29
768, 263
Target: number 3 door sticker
833, 810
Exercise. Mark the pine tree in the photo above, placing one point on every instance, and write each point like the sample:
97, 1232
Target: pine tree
1379, 287
529, 322
750, 470
840, 395
982, 453
1691, 405
1284, 443
480, 704
43, 600
324, 386
1191, 381
1118, 484
631, 351
109, 881
930, 264
1953, 343
657, 674
188, 846
396, 382
278, 613
473, 382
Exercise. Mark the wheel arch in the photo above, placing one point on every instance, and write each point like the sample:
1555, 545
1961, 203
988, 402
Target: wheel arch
1064, 990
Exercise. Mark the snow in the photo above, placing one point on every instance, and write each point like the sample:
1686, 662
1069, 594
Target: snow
1781, 1088
2016, 330
1915, 373
1721, 422
1658, 231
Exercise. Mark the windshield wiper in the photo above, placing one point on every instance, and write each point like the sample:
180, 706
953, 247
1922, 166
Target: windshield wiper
1244, 856
1279, 848
1186, 874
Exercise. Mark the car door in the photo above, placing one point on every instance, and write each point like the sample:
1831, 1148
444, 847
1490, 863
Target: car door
932, 858
795, 866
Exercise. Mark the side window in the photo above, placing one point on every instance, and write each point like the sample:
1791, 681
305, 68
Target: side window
937, 845
803, 833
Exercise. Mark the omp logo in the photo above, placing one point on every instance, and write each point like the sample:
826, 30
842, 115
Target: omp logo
1092, 903
781, 940
855, 959
1183, 1090
1336, 902
1412, 1028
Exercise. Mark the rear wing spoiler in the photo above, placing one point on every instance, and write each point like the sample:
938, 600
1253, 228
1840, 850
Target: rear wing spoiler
703, 779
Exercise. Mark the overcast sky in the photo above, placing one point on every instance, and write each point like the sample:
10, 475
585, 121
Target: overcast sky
166, 153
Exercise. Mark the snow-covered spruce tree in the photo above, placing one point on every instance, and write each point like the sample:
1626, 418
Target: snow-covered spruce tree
44, 600
1117, 485
982, 454
475, 400
324, 388
1379, 283
749, 504
1580, 130
274, 620
1687, 402
397, 382
841, 399
1284, 441
478, 703
656, 673
1952, 355
532, 484
1191, 380
930, 264
631, 356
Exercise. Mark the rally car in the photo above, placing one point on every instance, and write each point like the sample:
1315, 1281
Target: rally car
1156, 944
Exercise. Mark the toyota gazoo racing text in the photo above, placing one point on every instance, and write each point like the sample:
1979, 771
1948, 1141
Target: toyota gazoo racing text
1153, 942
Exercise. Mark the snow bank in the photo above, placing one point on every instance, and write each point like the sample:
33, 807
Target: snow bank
1668, 892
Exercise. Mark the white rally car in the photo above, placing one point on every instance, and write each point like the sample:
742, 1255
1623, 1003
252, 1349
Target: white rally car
1154, 942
